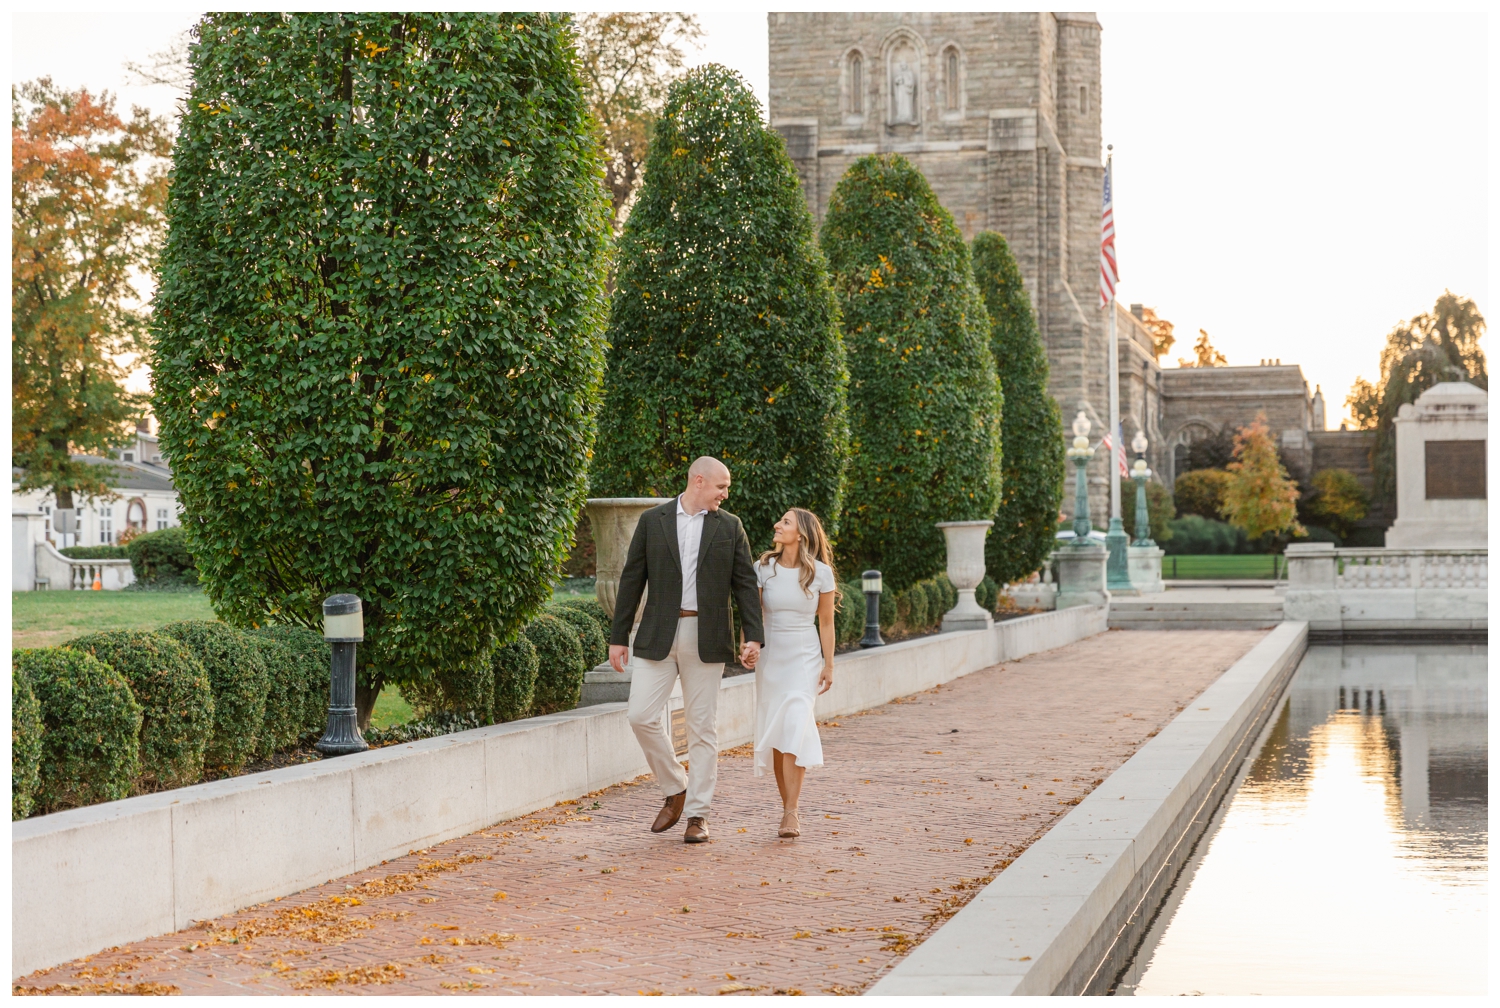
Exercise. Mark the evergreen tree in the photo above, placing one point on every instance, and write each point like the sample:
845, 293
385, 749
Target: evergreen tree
924, 402
1034, 466
723, 330
379, 326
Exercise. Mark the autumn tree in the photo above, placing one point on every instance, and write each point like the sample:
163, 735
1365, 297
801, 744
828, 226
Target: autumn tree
627, 60
1259, 496
1337, 501
1437, 346
1204, 354
1160, 330
87, 189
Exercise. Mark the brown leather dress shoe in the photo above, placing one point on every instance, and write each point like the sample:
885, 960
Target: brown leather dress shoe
696, 831
671, 811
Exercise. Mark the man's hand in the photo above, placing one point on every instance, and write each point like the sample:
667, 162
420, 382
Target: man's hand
750, 654
618, 655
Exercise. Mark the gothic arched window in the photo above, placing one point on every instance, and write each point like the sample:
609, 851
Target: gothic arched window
950, 78
856, 84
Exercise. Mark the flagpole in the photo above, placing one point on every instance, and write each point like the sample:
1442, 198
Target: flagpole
1118, 566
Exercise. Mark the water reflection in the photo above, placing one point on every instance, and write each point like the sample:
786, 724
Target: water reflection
1353, 857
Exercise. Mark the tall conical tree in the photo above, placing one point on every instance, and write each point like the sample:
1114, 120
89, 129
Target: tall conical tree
1034, 468
723, 329
924, 402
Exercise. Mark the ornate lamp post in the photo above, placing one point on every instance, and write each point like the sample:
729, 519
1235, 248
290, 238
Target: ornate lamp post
1080, 454
344, 628
1140, 473
1117, 570
871, 583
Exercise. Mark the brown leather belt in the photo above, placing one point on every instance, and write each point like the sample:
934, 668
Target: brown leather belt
687, 612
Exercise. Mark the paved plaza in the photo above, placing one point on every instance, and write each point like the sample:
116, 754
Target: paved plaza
922, 802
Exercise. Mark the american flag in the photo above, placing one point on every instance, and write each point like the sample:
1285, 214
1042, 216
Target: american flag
1109, 445
1109, 272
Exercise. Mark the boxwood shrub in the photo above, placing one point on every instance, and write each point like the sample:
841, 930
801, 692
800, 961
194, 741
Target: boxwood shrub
560, 668
177, 703
850, 615
515, 667
304, 677
239, 680
594, 609
162, 556
593, 642
90, 724
25, 742
912, 605
987, 594
95, 552
281, 723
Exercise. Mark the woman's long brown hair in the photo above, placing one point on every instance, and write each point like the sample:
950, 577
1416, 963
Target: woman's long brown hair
814, 548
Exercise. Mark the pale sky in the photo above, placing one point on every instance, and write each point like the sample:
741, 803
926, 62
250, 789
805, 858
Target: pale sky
1295, 184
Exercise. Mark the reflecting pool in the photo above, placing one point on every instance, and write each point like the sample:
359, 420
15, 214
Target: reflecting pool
1352, 856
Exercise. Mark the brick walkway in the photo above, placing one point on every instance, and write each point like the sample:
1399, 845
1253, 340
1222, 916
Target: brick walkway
921, 803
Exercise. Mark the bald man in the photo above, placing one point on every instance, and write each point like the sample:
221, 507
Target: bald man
694, 556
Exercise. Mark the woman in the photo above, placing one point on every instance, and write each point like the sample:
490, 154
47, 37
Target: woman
796, 664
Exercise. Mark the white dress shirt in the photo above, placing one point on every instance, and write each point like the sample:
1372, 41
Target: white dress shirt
689, 539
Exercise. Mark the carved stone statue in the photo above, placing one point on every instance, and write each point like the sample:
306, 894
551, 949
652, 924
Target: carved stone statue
904, 93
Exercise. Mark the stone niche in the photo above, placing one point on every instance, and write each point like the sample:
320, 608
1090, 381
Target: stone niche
1440, 470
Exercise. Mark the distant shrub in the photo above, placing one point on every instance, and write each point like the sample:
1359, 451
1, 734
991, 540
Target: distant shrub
594, 609
560, 668
94, 552
987, 594
177, 704
162, 556
514, 666
1160, 510
303, 680
593, 642
25, 742
240, 682
1194, 535
1201, 492
90, 723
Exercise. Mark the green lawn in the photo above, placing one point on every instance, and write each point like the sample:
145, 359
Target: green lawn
391, 709
46, 618
1246, 567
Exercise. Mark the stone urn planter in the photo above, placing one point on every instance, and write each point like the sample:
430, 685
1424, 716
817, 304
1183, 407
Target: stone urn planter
613, 520
966, 570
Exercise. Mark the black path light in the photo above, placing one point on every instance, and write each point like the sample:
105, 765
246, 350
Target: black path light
344, 628
872, 588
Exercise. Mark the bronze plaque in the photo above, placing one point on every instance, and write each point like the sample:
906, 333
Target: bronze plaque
1455, 470
679, 731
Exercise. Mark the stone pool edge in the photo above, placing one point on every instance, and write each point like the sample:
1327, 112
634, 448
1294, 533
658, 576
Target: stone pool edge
1056, 920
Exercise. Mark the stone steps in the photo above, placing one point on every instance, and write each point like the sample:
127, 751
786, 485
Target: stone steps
1165, 613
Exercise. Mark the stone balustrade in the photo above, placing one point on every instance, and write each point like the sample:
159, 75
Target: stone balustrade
55, 572
1388, 592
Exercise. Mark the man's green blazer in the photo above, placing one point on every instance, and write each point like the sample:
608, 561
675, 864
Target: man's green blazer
724, 568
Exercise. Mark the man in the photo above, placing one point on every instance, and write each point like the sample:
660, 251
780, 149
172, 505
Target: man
693, 555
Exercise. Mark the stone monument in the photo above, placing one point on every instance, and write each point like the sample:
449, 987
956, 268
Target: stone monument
1440, 470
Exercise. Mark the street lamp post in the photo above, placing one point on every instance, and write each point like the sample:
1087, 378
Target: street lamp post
871, 584
344, 629
1080, 453
1140, 473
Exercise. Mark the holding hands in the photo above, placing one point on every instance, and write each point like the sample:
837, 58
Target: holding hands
750, 654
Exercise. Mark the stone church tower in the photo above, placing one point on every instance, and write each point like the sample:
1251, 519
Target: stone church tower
1001, 112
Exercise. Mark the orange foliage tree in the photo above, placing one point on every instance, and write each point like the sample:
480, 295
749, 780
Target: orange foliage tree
87, 190
1259, 497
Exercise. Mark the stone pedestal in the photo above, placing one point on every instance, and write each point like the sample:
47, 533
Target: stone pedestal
966, 570
1080, 576
1145, 569
1440, 470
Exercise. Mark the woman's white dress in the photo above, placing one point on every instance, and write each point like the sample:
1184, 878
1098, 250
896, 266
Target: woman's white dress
786, 677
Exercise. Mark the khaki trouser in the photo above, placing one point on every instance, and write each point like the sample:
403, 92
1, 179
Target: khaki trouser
650, 689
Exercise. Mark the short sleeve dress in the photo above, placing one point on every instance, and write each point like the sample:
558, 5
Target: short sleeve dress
786, 677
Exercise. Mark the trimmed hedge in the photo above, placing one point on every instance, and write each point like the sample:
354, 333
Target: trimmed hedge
514, 666
25, 742
303, 679
850, 615
987, 594
724, 334
1032, 431
594, 609
378, 329
91, 723
177, 703
240, 682
281, 724
560, 668
162, 556
591, 640
95, 553
924, 400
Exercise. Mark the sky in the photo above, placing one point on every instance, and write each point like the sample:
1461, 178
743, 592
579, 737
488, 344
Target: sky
1295, 185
